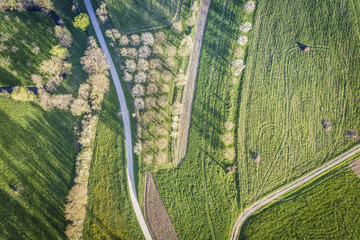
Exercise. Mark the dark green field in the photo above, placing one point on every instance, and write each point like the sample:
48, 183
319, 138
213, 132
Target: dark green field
37, 155
328, 208
137, 15
110, 213
26, 30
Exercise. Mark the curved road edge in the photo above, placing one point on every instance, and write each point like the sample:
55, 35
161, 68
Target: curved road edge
126, 120
263, 202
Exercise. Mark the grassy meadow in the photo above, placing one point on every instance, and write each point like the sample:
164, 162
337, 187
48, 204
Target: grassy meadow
327, 208
110, 213
137, 15
37, 147
37, 155
199, 195
29, 41
287, 93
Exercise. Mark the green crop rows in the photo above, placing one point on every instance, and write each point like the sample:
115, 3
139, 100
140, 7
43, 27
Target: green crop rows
328, 208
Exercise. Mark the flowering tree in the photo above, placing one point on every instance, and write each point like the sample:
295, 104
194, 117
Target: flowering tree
147, 38
144, 52
245, 27
249, 7
242, 41
140, 77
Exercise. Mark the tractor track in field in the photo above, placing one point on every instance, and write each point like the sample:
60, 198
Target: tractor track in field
270, 198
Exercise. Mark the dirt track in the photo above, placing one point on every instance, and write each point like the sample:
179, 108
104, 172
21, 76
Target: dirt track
192, 73
260, 204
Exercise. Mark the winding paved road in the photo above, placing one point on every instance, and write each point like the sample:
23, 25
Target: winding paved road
126, 119
263, 202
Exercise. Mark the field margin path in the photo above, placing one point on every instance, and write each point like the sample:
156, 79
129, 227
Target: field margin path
189, 91
263, 202
126, 120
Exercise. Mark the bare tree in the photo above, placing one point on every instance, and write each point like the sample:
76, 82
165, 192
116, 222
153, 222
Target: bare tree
64, 36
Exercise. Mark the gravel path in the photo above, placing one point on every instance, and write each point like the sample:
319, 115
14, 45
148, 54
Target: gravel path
192, 72
126, 119
260, 204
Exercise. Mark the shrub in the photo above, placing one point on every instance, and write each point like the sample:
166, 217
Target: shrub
102, 13
124, 40
64, 35
140, 77
237, 67
229, 125
5, 61
249, 7
82, 21
155, 63
144, 52
139, 103
22, 94
135, 40
137, 148
127, 77
143, 65
160, 37
245, 27
59, 51
132, 53
157, 50
242, 41
151, 89
94, 61
147, 38
138, 90
130, 66
229, 153
177, 27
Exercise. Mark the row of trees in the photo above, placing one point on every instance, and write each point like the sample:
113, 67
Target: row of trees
90, 96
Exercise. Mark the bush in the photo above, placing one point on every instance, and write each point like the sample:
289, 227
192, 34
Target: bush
22, 94
82, 21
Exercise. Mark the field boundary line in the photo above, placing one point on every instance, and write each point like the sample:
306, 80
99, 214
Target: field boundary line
189, 91
270, 198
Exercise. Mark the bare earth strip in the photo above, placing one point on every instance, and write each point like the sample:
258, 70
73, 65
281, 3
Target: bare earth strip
260, 204
192, 73
158, 219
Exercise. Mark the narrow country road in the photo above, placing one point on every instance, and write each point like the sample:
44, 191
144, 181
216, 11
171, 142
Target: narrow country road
263, 202
126, 119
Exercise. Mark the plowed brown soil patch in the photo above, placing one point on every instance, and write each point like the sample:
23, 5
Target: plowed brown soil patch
355, 165
158, 219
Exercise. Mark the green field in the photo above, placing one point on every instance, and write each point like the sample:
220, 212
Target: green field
24, 30
37, 147
328, 208
199, 195
110, 212
287, 93
37, 155
137, 15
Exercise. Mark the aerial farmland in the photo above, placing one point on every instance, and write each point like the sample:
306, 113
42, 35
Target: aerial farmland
179, 119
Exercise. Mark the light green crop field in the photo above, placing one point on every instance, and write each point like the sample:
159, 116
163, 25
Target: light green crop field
328, 208
287, 93
110, 213
137, 15
25, 31
37, 155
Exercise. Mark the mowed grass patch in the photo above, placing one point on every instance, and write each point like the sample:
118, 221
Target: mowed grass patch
137, 15
200, 195
110, 212
37, 155
328, 208
26, 39
287, 93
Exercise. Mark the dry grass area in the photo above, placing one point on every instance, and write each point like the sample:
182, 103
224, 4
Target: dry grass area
355, 165
157, 218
